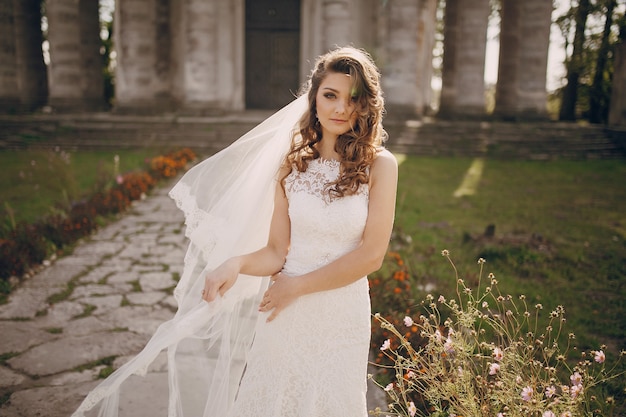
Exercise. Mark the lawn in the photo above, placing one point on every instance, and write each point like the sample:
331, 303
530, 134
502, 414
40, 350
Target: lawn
559, 238
560, 230
38, 182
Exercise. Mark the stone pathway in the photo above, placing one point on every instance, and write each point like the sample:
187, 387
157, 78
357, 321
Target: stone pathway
93, 310
62, 326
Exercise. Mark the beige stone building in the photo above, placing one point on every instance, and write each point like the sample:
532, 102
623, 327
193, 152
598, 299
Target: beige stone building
206, 56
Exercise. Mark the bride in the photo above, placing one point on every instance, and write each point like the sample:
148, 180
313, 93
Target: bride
284, 226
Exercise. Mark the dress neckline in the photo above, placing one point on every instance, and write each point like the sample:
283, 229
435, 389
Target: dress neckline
328, 162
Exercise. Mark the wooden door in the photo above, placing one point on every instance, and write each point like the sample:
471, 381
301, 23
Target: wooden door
272, 52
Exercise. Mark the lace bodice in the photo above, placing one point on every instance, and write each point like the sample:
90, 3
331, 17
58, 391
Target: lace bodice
322, 228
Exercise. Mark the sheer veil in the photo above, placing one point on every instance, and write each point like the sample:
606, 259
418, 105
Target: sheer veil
227, 201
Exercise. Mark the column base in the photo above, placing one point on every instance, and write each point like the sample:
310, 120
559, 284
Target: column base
76, 105
10, 105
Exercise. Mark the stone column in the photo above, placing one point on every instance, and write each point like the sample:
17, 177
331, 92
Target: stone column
407, 62
92, 79
142, 44
200, 60
337, 24
426, 43
465, 37
617, 111
75, 77
524, 40
32, 76
9, 93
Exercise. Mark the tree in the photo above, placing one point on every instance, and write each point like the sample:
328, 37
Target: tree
598, 95
575, 63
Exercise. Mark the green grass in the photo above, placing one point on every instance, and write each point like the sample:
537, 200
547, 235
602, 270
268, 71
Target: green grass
560, 230
560, 226
36, 182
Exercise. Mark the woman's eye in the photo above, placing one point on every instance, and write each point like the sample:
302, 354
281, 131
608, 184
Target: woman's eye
329, 95
354, 99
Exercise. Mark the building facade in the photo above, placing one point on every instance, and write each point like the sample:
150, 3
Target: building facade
205, 56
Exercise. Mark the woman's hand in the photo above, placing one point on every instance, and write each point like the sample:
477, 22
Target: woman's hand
220, 280
282, 292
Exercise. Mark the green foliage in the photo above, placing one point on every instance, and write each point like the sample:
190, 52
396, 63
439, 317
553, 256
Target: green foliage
594, 32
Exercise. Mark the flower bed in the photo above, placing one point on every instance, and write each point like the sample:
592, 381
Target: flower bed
27, 245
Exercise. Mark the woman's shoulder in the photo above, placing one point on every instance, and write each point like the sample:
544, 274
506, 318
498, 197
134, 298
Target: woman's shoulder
384, 160
384, 169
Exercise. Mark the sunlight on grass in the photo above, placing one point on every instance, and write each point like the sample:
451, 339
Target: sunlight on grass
471, 178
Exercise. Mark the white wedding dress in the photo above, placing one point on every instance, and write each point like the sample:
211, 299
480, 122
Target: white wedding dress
311, 361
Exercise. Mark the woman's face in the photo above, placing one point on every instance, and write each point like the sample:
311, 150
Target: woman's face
335, 105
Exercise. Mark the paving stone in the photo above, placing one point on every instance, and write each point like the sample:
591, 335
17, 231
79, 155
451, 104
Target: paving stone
176, 240
89, 290
46, 401
18, 336
61, 312
31, 297
102, 249
57, 274
78, 261
86, 325
122, 288
159, 364
103, 304
149, 237
122, 277
140, 269
68, 378
117, 264
70, 352
146, 298
8, 378
97, 274
156, 281
170, 302
138, 319
135, 251
148, 398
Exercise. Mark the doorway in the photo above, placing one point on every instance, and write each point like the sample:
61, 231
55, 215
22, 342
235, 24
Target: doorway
272, 52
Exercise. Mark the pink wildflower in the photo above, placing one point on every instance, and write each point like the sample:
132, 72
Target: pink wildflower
527, 393
576, 379
550, 391
408, 321
599, 356
576, 390
548, 414
494, 368
412, 409
389, 387
498, 354
386, 345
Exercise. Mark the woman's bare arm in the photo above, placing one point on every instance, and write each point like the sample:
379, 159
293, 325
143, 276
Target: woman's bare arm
266, 261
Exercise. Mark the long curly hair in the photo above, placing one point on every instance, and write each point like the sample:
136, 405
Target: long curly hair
357, 148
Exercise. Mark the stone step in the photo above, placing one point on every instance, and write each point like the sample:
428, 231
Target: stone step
540, 140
